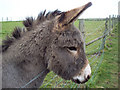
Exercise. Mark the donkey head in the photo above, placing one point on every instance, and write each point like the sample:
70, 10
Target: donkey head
66, 53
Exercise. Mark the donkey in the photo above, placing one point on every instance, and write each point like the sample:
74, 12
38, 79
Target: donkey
50, 42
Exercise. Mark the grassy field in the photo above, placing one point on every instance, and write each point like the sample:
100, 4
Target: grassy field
107, 74
8, 27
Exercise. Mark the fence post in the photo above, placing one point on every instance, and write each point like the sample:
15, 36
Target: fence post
81, 27
115, 20
2, 19
109, 24
1, 57
112, 21
104, 34
7, 19
118, 16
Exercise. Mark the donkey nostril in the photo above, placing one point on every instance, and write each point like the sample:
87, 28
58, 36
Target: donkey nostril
88, 77
78, 81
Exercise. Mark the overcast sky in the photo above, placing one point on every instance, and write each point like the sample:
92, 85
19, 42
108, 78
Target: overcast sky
19, 9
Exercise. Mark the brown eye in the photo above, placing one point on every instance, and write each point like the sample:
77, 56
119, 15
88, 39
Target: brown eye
72, 48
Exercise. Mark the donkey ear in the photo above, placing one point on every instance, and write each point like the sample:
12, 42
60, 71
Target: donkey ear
70, 16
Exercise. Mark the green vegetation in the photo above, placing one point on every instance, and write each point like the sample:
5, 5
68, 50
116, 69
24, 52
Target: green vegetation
107, 74
8, 27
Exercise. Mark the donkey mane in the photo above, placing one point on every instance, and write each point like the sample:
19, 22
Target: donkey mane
29, 23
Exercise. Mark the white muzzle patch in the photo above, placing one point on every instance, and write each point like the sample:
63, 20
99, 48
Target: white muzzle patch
84, 76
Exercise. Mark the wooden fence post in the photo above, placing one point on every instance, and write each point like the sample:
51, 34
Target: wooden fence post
2, 19
115, 20
112, 21
7, 19
82, 29
105, 34
119, 8
109, 24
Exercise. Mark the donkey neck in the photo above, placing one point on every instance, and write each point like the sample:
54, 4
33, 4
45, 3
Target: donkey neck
20, 74
24, 60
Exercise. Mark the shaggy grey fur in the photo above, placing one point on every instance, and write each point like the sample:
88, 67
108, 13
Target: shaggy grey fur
41, 47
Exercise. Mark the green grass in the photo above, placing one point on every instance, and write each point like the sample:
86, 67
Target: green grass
8, 27
107, 73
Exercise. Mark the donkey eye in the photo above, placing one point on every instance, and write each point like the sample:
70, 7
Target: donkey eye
72, 48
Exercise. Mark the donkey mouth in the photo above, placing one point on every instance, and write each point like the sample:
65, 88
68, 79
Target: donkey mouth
79, 82
84, 76
76, 81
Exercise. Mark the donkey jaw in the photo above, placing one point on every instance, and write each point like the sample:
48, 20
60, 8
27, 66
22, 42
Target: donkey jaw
84, 77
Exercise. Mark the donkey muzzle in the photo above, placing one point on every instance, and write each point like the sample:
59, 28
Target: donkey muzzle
84, 76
